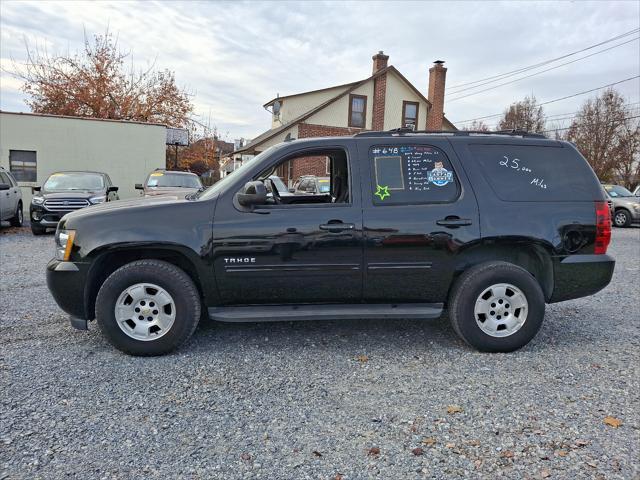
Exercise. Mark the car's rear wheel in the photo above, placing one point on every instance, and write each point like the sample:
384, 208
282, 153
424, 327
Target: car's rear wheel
148, 307
17, 219
622, 218
496, 307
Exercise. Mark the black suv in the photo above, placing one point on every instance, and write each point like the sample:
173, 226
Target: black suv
489, 226
64, 192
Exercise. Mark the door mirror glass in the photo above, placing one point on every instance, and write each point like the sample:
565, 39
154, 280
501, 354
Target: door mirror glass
139, 186
254, 193
4, 186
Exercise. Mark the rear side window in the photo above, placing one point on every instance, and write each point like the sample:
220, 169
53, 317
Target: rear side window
532, 173
411, 174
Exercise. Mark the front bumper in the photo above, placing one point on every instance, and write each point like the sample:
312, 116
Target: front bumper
66, 282
39, 215
578, 276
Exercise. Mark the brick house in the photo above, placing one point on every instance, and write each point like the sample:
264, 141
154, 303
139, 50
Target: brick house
382, 101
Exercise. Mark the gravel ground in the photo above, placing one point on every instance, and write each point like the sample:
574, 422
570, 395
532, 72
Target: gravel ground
326, 400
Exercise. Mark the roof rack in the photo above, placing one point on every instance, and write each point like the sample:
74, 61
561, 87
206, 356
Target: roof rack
457, 133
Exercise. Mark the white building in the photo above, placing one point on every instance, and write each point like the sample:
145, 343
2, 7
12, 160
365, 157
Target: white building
32, 146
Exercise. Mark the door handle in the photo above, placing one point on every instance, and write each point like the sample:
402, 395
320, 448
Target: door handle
337, 227
454, 222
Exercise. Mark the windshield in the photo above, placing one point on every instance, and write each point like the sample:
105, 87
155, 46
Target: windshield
324, 184
176, 180
617, 191
74, 181
220, 184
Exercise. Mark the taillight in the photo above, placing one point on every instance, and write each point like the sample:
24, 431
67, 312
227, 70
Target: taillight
603, 228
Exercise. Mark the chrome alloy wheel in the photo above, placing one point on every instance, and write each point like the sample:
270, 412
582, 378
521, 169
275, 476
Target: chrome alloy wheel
145, 311
620, 219
501, 310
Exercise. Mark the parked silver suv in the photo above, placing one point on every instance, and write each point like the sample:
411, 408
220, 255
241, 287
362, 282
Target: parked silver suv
10, 199
625, 204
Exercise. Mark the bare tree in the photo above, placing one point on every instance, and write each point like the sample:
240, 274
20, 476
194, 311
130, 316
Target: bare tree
94, 83
627, 168
477, 126
524, 115
608, 137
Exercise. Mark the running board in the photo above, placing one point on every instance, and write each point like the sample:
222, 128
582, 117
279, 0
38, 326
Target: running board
286, 313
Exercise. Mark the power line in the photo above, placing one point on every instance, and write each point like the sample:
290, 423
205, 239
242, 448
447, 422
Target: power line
554, 100
571, 115
532, 74
568, 128
546, 62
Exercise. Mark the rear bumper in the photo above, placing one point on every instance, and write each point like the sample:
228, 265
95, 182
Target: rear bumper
578, 276
66, 282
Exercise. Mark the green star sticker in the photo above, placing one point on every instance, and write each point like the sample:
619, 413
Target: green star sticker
382, 192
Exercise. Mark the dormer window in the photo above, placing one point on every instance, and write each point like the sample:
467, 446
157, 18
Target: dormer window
410, 114
357, 111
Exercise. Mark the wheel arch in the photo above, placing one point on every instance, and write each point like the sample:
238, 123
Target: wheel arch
534, 257
623, 209
108, 260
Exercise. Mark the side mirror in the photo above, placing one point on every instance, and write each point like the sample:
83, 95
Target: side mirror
4, 186
292, 190
254, 193
139, 186
35, 189
112, 189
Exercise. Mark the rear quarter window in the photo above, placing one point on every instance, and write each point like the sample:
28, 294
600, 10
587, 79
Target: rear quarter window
533, 173
411, 174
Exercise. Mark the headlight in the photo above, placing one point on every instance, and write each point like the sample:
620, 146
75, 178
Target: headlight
37, 200
64, 242
99, 199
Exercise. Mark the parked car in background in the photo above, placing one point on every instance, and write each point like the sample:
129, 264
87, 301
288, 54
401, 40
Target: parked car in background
312, 185
65, 192
626, 205
10, 199
169, 182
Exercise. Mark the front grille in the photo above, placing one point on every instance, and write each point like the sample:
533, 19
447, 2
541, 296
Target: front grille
65, 204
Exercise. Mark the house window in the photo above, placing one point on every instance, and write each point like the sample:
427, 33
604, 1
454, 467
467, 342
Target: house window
357, 111
22, 164
410, 114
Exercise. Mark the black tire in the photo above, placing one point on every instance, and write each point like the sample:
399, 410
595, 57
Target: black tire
621, 218
472, 283
37, 229
17, 219
165, 275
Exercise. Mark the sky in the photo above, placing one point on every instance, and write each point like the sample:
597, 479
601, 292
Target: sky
233, 57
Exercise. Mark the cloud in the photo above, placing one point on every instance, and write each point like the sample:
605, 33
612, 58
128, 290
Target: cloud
235, 56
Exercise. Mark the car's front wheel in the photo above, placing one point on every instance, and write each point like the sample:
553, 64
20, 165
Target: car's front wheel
148, 307
37, 229
496, 307
622, 218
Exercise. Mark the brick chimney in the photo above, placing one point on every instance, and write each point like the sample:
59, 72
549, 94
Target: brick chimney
379, 90
379, 61
437, 79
